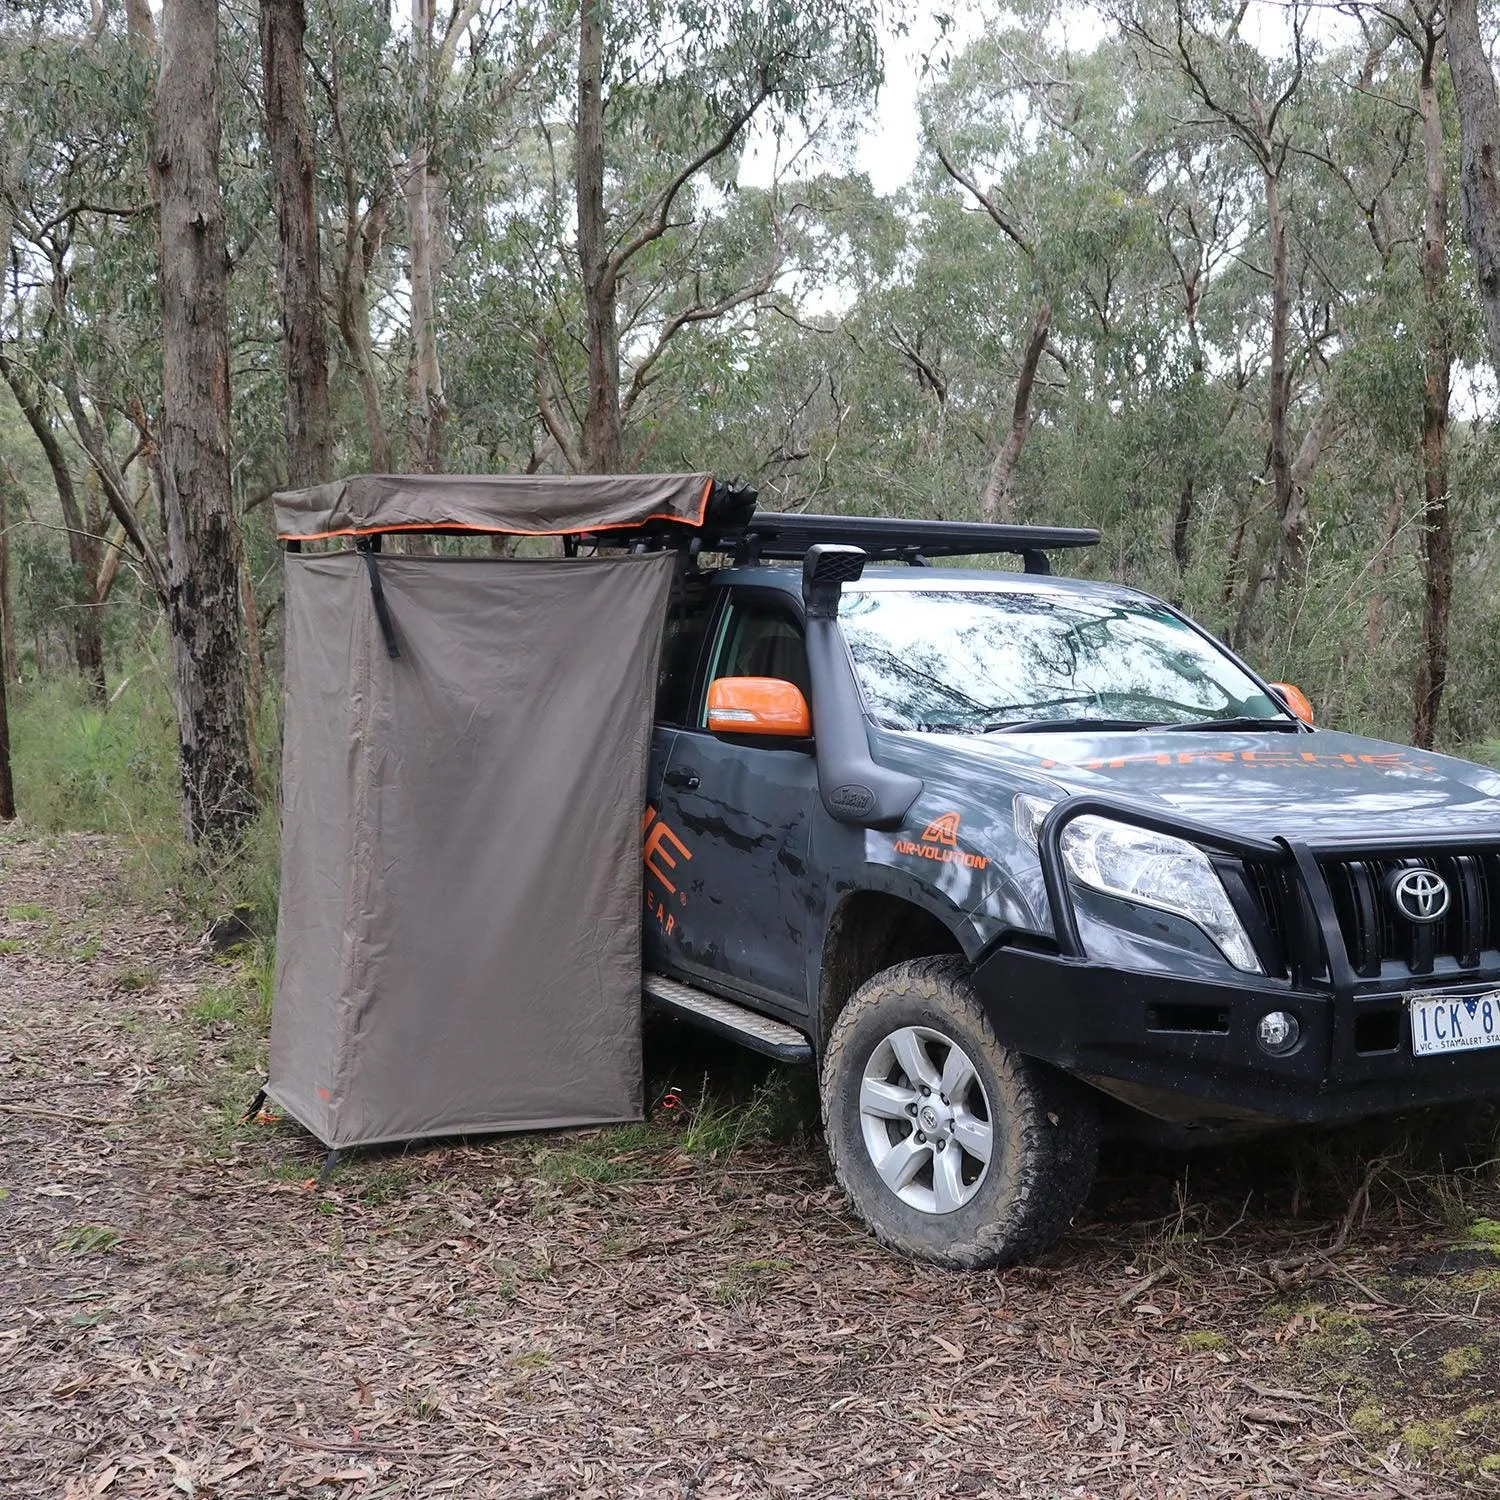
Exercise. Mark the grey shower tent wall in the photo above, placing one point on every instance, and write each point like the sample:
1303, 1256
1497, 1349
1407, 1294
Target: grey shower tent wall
458, 947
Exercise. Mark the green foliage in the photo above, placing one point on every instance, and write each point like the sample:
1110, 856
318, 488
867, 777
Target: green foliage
114, 770
88, 1239
108, 770
843, 350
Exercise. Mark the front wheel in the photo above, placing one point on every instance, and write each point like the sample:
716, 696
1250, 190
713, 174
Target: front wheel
951, 1147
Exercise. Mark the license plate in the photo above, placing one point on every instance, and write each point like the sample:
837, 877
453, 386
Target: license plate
1444, 1025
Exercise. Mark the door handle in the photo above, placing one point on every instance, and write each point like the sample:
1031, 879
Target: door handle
683, 776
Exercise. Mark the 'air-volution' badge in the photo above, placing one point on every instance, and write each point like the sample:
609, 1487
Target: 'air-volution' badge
1419, 895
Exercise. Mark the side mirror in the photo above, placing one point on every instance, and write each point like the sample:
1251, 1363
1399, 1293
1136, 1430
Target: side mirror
1295, 699
758, 705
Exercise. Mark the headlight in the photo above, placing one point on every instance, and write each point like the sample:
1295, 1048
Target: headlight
1150, 869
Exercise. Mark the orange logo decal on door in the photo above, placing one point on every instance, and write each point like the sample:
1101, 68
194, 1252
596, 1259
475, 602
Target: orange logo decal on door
661, 852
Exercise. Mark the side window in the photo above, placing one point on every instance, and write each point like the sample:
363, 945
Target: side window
762, 639
681, 638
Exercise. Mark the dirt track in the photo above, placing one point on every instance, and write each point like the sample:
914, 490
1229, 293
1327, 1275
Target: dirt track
632, 1315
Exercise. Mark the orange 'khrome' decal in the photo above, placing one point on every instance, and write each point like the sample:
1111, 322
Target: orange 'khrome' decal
661, 852
940, 843
943, 830
1277, 759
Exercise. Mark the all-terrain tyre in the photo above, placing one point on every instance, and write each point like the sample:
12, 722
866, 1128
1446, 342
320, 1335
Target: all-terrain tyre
952, 1148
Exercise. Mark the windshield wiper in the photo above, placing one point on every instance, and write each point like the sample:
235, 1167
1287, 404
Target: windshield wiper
1277, 726
1042, 726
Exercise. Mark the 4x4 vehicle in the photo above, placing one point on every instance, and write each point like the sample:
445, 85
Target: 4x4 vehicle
1008, 854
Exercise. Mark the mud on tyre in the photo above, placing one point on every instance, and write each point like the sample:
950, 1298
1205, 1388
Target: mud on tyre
950, 1147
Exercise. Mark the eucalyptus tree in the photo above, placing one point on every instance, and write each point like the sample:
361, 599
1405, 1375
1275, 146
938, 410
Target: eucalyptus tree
78, 248
666, 95
1251, 100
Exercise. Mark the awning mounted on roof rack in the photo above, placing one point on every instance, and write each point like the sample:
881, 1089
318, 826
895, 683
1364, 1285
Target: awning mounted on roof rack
693, 513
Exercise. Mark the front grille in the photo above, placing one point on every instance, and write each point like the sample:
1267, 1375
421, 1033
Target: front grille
1278, 916
1376, 935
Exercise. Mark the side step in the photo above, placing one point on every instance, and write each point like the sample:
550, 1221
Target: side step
725, 1018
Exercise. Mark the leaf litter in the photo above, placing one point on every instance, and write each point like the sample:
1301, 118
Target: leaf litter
184, 1315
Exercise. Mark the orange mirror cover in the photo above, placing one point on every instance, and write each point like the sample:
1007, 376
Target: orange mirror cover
1296, 700
758, 705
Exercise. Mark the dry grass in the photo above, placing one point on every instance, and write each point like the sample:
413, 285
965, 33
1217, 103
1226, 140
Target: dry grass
659, 1311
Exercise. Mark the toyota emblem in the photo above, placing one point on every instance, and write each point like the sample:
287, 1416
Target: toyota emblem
1420, 895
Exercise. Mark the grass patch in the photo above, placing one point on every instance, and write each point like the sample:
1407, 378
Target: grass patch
134, 981
718, 1122
387, 1184
1462, 1361
82, 768
606, 1159
26, 911
88, 1239
1485, 1232
749, 1283
1204, 1341
97, 770
10, 945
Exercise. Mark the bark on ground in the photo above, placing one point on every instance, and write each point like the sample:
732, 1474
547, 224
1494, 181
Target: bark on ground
636, 1313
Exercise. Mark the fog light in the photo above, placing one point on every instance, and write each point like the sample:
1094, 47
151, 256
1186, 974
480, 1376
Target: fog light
1278, 1032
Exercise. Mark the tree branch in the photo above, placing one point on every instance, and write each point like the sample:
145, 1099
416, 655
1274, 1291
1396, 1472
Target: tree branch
661, 221
550, 420
985, 200
697, 313
1003, 471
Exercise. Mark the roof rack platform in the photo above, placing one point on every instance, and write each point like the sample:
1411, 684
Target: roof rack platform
770, 536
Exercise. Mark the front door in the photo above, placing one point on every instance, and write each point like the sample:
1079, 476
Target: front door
735, 904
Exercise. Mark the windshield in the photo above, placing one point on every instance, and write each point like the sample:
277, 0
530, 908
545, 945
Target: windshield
972, 660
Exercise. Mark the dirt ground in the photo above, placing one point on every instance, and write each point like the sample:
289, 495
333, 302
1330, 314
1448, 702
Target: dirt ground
677, 1309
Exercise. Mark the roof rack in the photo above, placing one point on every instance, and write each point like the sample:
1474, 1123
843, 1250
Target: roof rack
769, 537
753, 536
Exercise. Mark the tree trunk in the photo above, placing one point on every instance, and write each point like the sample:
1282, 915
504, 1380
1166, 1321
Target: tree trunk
7, 665
1375, 619
1437, 519
423, 189
1292, 534
142, 28
601, 445
1479, 119
83, 546
363, 245
10, 661
309, 426
1292, 531
997, 489
202, 534
88, 629
1181, 526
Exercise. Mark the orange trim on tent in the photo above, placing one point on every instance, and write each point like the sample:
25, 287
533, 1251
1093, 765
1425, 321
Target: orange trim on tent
327, 536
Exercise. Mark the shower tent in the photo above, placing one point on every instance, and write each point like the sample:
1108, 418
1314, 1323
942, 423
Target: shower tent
458, 946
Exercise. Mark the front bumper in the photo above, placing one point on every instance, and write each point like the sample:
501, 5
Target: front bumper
1193, 1043
1185, 1047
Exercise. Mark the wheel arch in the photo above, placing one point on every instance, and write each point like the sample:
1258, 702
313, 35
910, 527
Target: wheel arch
868, 931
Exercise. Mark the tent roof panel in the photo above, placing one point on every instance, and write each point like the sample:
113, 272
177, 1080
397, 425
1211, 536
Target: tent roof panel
509, 504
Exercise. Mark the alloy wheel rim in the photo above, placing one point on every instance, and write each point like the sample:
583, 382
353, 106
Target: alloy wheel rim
926, 1120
